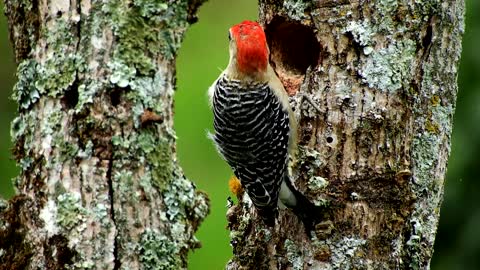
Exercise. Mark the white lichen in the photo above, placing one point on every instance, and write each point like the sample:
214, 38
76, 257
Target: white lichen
49, 216
296, 9
344, 250
362, 31
294, 255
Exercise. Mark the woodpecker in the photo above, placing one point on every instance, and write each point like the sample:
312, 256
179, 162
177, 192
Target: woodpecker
255, 129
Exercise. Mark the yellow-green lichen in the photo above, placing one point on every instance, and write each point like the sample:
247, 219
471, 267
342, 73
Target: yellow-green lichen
60, 57
432, 127
70, 211
145, 30
161, 160
36, 79
158, 152
317, 183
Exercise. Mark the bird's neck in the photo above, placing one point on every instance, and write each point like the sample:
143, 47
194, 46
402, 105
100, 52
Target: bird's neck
247, 75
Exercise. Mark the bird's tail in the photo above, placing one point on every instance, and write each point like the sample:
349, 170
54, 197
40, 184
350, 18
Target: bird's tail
268, 215
309, 213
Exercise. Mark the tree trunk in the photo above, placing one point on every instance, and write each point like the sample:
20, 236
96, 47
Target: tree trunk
100, 187
373, 85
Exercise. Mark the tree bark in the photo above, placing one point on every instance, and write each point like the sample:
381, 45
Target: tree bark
99, 187
373, 85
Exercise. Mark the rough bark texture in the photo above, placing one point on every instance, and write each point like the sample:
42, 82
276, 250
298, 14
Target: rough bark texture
373, 85
99, 186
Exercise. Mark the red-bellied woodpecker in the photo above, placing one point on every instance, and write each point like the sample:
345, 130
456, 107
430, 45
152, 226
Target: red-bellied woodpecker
254, 125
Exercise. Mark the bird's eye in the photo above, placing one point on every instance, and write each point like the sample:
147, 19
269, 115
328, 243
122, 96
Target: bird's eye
229, 36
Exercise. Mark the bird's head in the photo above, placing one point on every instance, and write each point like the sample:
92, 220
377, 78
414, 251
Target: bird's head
248, 49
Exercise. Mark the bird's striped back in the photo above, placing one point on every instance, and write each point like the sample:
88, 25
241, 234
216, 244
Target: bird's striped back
252, 133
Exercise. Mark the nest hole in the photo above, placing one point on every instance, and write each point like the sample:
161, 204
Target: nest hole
293, 46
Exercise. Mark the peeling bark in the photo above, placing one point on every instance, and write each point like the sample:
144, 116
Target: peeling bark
100, 186
373, 85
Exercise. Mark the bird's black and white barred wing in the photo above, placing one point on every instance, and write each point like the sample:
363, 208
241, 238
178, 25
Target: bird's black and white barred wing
252, 133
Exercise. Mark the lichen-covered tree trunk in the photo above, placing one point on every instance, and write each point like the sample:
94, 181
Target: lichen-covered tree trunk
373, 85
99, 186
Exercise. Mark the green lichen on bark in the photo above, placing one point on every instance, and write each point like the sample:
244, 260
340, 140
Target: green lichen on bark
157, 251
25, 92
145, 30
61, 56
145, 145
70, 211
43, 78
317, 183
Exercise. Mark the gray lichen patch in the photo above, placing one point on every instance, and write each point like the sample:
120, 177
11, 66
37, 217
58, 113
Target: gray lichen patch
345, 252
49, 216
294, 255
362, 32
310, 158
389, 69
297, 9
180, 196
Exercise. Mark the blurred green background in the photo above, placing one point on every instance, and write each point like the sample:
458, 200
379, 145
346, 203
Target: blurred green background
201, 58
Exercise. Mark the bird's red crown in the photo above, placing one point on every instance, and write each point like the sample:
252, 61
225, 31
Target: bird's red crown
252, 52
